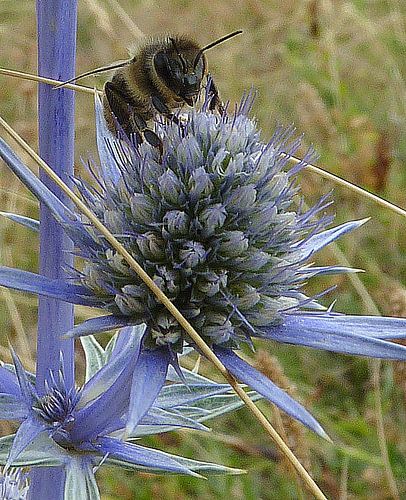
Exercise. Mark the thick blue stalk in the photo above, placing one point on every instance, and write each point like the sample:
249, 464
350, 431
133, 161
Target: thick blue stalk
56, 59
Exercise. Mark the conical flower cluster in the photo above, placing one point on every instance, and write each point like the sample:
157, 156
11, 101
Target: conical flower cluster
213, 223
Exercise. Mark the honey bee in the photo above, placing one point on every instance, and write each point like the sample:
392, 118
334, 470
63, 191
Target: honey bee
165, 73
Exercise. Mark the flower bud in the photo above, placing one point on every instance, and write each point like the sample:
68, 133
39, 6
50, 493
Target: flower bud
218, 328
170, 187
142, 208
242, 198
200, 184
212, 218
245, 297
192, 254
176, 223
151, 246
233, 244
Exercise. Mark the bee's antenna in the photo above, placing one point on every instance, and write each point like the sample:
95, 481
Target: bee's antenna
93, 72
212, 44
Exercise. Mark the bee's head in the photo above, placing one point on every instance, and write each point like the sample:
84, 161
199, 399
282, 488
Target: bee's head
181, 68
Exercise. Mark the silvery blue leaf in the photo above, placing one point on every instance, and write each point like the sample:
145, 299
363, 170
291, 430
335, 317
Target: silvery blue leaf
175, 395
40, 452
80, 483
33, 183
28, 432
94, 355
21, 219
359, 335
12, 407
109, 372
35, 283
320, 240
9, 382
136, 455
98, 325
263, 385
149, 377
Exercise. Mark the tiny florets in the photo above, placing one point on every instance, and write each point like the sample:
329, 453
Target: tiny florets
13, 485
56, 407
211, 220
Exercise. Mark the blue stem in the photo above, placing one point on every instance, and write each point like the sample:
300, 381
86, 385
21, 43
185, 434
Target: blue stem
56, 59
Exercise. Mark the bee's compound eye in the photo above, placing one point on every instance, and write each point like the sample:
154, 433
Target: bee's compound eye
161, 65
169, 71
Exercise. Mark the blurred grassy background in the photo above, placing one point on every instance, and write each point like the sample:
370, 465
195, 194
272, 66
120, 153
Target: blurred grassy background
337, 70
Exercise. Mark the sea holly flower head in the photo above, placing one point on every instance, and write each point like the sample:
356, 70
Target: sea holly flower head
56, 407
211, 220
217, 222
81, 428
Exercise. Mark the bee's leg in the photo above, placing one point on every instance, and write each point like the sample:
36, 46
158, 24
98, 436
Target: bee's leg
163, 109
131, 122
115, 100
215, 102
149, 135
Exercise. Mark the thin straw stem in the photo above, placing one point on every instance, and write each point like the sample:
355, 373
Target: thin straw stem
49, 81
349, 185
